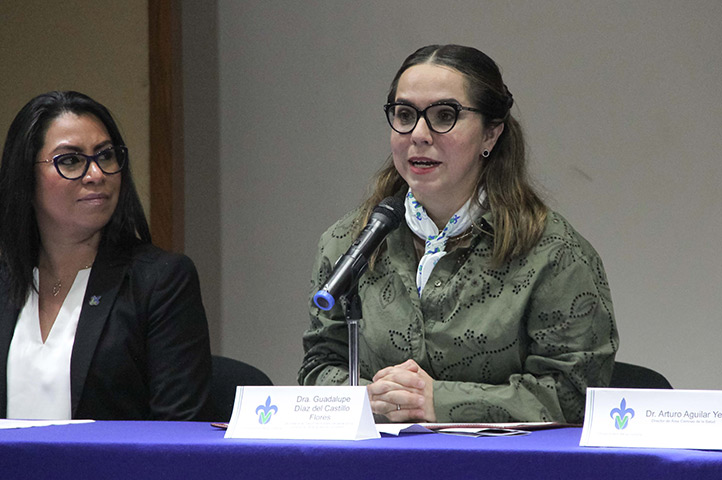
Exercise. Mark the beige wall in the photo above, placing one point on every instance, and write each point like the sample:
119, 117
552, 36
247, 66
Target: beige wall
97, 47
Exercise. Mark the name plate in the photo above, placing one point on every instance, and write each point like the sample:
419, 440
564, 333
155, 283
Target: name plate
317, 413
618, 417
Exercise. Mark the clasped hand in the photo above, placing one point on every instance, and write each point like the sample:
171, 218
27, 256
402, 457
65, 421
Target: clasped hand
403, 393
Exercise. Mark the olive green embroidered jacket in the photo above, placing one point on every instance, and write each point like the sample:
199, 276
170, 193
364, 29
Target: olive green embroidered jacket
517, 343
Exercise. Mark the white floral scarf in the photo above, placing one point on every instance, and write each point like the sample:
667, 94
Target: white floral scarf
425, 228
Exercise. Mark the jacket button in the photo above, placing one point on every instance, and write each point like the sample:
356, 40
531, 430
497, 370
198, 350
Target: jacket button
438, 283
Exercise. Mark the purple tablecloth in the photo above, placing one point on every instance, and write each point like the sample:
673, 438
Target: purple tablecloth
107, 450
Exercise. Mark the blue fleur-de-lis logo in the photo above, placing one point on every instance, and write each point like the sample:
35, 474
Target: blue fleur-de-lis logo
622, 415
266, 411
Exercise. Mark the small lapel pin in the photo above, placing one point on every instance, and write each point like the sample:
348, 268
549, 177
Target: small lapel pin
94, 300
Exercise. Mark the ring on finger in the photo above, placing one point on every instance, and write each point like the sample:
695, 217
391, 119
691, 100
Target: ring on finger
398, 407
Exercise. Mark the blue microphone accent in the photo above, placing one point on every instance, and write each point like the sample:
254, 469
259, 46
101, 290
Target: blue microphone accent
324, 300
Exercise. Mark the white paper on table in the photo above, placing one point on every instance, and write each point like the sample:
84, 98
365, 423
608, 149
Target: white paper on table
496, 429
5, 424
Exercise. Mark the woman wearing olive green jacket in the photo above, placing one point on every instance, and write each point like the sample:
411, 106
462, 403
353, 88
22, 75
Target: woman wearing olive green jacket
484, 306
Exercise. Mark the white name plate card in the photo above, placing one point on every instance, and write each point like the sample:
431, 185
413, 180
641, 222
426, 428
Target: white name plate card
315, 413
629, 417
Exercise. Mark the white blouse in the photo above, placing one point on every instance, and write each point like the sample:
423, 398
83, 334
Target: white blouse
38, 374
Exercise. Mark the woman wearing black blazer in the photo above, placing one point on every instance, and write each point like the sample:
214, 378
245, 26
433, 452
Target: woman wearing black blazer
95, 322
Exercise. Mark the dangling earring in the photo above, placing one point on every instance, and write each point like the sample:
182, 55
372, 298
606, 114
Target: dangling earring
485, 153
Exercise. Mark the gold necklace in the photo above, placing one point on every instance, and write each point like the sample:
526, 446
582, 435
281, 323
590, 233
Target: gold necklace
59, 284
463, 235
457, 239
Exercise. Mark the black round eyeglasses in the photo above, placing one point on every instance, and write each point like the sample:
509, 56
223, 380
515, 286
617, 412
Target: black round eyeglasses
440, 117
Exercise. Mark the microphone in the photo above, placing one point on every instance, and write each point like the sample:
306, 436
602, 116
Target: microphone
385, 218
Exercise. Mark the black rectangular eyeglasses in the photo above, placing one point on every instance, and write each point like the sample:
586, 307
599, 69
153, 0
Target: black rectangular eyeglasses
73, 166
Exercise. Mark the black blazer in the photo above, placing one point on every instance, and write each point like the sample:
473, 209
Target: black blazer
141, 350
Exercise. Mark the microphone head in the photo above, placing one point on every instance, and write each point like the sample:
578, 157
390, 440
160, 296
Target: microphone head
393, 209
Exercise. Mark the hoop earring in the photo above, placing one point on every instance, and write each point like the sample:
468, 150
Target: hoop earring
485, 153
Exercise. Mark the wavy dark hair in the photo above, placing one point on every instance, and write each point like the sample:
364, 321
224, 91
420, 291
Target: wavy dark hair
518, 213
19, 235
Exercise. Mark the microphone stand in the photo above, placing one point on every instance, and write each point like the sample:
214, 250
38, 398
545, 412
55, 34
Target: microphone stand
353, 317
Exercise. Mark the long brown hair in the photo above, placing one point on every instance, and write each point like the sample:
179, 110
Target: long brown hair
518, 213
